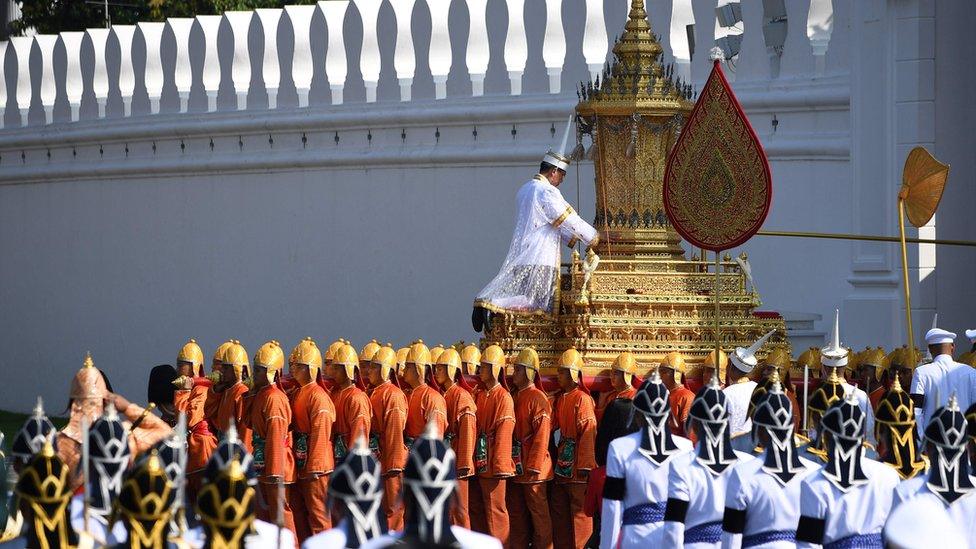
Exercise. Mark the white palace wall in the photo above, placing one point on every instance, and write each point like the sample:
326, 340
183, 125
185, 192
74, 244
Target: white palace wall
126, 234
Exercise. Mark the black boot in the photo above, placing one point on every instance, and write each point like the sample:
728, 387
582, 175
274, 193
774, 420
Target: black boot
477, 318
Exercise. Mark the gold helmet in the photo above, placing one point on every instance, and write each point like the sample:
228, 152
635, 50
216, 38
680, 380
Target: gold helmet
401, 359
386, 358
494, 357
529, 358
235, 355
307, 353
470, 358
853, 363
829, 391
811, 359
896, 412
218, 356
572, 360
193, 354
333, 349
778, 358
367, 352
146, 501
346, 357
226, 506
452, 359
675, 361
435, 353
88, 383
45, 485
625, 362
723, 363
419, 355
271, 357
876, 358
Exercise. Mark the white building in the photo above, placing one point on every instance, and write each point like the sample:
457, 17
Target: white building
349, 169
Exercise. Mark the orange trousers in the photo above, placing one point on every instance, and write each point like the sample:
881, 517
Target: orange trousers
496, 514
572, 527
528, 515
476, 507
459, 512
309, 499
392, 503
269, 511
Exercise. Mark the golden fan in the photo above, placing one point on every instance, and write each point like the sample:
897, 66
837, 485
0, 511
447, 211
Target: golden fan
922, 183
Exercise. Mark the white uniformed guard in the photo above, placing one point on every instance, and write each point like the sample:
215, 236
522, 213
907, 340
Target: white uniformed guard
922, 522
948, 481
636, 490
834, 355
697, 480
529, 275
846, 502
429, 484
762, 499
933, 383
740, 389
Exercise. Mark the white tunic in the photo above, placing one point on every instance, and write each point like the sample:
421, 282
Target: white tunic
466, 538
97, 526
865, 405
691, 481
937, 381
961, 512
265, 535
769, 505
529, 276
739, 395
645, 482
861, 510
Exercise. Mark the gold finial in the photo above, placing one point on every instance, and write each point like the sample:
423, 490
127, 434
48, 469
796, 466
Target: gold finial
896, 385
234, 469
48, 449
153, 464
832, 378
88, 363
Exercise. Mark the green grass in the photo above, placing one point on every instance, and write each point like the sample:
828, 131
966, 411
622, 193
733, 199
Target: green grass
11, 422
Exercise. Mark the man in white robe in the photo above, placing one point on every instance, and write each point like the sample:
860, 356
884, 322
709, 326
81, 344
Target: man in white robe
935, 382
529, 277
740, 387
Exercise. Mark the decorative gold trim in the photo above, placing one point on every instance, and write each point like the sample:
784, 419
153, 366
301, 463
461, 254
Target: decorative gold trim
559, 220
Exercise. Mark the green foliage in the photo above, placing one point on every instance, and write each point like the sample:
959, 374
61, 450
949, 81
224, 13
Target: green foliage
54, 16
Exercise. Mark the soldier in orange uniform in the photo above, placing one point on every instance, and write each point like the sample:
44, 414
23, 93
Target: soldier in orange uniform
225, 403
191, 399
575, 454
366, 355
425, 403
386, 431
525, 495
351, 403
621, 380
493, 461
268, 413
401, 363
313, 416
672, 372
461, 429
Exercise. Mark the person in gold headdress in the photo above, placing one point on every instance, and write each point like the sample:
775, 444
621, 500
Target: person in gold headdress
873, 374
461, 430
425, 403
366, 355
145, 504
225, 404
351, 403
313, 414
895, 432
389, 408
191, 399
672, 370
89, 392
526, 494
493, 461
622, 374
268, 413
575, 421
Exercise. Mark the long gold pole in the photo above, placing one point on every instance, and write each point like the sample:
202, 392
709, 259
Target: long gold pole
904, 272
718, 340
869, 238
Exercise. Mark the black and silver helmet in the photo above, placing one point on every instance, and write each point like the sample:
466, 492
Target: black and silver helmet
774, 416
710, 409
949, 474
108, 450
228, 449
430, 478
31, 436
844, 421
358, 483
652, 402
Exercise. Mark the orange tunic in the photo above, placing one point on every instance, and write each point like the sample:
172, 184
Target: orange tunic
607, 398
680, 400
352, 415
425, 404
200, 442
389, 411
268, 414
496, 420
461, 428
576, 420
874, 397
312, 422
533, 426
227, 405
